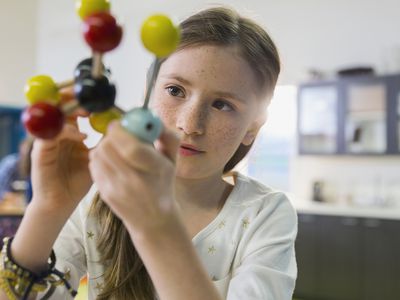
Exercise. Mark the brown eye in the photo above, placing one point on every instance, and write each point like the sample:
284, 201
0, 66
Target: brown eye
175, 91
222, 105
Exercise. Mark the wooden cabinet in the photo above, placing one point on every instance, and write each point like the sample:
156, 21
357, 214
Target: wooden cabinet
352, 115
339, 260
306, 252
382, 259
346, 258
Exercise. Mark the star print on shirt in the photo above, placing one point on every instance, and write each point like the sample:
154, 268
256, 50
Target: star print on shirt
245, 223
99, 286
222, 224
211, 250
90, 234
67, 274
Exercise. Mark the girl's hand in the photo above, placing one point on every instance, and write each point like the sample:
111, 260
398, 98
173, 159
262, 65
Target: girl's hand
135, 179
60, 172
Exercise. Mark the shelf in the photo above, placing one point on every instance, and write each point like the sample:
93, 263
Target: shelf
392, 213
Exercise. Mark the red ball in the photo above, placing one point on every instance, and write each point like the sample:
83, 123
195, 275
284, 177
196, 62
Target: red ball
43, 120
101, 32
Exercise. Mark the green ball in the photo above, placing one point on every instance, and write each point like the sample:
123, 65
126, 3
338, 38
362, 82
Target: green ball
143, 124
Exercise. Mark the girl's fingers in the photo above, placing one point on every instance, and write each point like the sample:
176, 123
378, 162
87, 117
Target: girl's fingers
67, 94
107, 168
139, 155
69, 132
99, 171
168, 143
105, 152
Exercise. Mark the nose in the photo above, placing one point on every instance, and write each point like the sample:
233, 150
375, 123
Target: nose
192, 119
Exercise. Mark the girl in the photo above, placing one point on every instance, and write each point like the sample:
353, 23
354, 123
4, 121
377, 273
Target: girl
171, 221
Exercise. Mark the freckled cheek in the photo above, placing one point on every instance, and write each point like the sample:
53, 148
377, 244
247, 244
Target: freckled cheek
227, 139
167, 114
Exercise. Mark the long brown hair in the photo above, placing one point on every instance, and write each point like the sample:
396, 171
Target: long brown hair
125, 276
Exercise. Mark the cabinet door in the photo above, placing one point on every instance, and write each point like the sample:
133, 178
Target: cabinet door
366, 115
397, 136
339, 259
382, 259
317, 119
306, 249
397, 122
393, 112
354, 115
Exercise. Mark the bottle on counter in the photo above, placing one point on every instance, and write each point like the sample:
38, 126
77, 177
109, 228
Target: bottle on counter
317, 193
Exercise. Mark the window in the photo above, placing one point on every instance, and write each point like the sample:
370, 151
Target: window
275, 146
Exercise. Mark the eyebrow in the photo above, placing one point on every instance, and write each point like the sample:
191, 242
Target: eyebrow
230, 96
221, 94
178, 78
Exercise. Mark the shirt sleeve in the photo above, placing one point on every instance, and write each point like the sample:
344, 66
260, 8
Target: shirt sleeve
267, 265
70, 255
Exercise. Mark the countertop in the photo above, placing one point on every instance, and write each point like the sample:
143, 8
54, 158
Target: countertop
306, 207
13, 204
11, 211
381, 212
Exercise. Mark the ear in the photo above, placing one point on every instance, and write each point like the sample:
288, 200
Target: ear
255, 126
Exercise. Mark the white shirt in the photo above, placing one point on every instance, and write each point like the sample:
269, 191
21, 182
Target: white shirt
248, 249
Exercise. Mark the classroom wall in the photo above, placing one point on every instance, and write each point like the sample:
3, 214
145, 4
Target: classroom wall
18, 48
317, 34
348, 180
43, 36
310, 34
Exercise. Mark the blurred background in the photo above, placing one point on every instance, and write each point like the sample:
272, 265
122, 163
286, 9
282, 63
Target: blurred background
332, 140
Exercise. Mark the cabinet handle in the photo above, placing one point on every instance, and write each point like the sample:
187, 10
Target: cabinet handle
372, 223
349, 221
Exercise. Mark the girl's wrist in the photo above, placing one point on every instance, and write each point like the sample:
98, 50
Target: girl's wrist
49, 209
156, 230
38, 230
158, 218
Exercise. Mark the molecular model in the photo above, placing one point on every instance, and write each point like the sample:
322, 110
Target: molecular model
94, 92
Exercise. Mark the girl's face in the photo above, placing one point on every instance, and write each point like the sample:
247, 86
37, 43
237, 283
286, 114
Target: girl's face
210, 94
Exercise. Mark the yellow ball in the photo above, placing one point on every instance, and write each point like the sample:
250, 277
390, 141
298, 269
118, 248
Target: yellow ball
85, 8
159, 35
99, 121
41, 88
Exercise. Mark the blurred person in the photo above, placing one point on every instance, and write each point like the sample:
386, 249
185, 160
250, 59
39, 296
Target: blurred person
15, 167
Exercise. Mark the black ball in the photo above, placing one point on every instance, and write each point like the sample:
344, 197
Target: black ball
95, 94
84, 69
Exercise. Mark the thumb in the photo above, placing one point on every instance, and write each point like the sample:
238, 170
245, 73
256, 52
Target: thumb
67, 95
168, 143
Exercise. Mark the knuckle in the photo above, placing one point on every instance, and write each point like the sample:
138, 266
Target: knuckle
136, 152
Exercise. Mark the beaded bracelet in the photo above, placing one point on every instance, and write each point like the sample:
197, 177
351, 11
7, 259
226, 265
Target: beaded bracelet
18, 282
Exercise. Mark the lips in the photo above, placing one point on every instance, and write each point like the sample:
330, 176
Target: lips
190, 147
189, 150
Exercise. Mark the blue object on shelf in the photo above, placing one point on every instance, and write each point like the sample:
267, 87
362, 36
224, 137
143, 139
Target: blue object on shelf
11, 130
